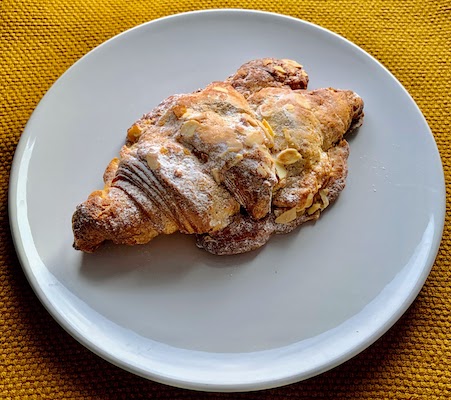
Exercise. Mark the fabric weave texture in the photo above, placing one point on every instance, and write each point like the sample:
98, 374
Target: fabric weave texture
40, 39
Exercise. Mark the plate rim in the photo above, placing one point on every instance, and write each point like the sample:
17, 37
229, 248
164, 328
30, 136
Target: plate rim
61, 320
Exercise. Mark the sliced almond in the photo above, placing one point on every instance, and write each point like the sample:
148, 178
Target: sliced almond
323, 194
309, 200
152, 161
288, 156
292, 63
280, 69
191, 114
314, 208
268, 127
281, 171
307, 203
189, 128
287, 216
288, 138
269, 133
253, 138
220, 89
110, 171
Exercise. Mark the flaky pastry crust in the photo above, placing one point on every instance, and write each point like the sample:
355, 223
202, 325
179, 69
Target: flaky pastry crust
232, 163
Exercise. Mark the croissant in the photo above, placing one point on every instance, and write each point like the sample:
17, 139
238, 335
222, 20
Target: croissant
233, 163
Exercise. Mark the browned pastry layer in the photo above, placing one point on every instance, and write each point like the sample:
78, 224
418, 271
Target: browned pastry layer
244, 233
250, 143
268, 72
313, 123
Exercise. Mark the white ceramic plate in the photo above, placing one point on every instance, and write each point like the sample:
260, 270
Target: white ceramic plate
170, 312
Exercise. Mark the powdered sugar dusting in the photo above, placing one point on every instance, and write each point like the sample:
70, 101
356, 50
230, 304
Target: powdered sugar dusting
191, 162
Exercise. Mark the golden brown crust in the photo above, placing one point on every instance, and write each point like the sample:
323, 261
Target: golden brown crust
268, 72
310, 122
218, 127
250, 143
313, 123
337, 111
245, 234
110, 215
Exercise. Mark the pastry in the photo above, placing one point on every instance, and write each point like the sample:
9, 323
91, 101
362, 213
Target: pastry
233, 163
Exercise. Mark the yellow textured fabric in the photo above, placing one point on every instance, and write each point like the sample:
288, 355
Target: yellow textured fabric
40, 39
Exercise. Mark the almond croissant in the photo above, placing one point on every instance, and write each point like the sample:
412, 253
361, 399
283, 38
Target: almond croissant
232, 163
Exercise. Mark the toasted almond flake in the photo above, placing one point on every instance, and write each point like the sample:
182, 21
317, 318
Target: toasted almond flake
152, 161
306, 204
314, 208
309, 200
281, 171
269, 136
280, 69
288, 138
253, 138
220, 89
268, 127
292, 63
250, 120
287, 216
288, 156
191, 114
189, 128
323, 194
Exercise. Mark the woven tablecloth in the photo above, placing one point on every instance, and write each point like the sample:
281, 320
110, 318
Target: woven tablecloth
40, 39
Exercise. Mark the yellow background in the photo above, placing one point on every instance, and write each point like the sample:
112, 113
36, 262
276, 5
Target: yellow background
40, 39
